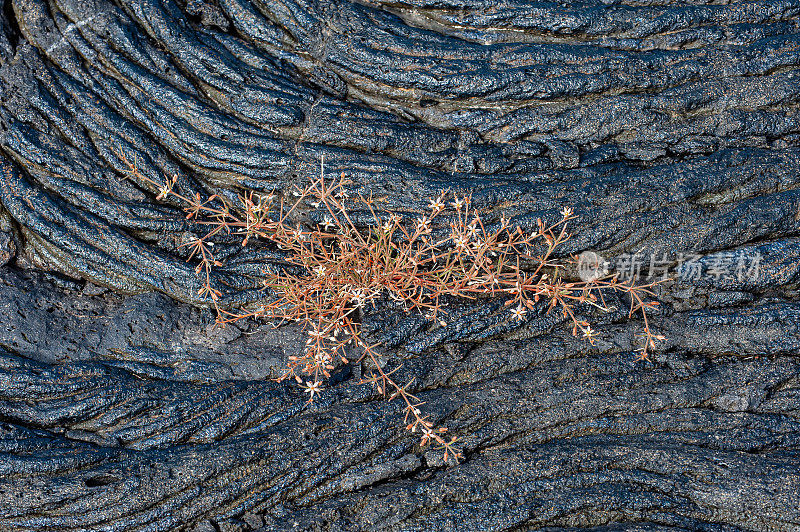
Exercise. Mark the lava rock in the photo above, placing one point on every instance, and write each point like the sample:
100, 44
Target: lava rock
672, 129
7, 248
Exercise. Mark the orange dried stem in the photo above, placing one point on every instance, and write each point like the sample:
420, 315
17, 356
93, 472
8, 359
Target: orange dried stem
348, 267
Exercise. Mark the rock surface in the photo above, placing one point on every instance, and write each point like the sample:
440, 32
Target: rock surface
671, 128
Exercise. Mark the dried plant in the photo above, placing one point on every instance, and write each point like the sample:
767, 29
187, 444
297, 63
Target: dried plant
337, 267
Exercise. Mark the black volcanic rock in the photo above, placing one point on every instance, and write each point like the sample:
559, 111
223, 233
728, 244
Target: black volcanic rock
671, 128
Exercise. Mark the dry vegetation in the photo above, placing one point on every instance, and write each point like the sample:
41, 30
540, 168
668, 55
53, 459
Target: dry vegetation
419, 263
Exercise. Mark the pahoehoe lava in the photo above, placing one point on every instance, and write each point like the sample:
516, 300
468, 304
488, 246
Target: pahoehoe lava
671, 128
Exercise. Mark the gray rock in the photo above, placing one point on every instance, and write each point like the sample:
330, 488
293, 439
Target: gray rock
7, 248
670, 128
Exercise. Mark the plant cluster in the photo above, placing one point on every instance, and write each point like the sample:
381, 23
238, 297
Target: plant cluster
336, 267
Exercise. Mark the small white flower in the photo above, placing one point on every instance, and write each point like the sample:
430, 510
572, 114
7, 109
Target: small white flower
423, 224
357, 297
164, 191
313, 388
320, 271
566, 212
321, 357
458, 203
461, 241
436, 205
327, 224
519, 312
